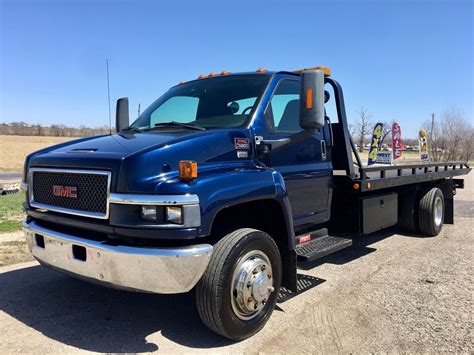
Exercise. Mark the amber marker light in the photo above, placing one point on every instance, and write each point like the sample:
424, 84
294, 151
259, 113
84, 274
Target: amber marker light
309, 98
261, 70
188, 170
202, 76
225, 72
356, 186
325, 70
212, 74
369, 185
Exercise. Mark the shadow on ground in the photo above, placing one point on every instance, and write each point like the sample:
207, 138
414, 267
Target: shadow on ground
98, 319
94, 318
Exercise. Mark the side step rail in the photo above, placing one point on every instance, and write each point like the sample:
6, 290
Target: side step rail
320, 247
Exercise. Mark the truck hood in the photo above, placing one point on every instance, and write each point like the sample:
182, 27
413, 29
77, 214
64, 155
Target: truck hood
140, 162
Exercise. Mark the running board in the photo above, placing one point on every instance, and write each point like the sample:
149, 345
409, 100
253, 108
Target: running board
320, 247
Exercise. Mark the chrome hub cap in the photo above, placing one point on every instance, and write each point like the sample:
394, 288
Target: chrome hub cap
438, 211
252, 284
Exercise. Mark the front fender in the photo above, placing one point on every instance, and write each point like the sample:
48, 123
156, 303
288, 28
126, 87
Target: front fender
220, 191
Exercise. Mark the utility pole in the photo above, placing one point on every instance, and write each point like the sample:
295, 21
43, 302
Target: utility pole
431, 142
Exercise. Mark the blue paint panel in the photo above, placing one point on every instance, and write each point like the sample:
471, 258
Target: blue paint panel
147, 163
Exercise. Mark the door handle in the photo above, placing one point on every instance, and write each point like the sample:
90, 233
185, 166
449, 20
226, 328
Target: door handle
323, 149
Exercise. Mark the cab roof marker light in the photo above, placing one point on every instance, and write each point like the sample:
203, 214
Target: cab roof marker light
325, 70
261, 70
225, 72
212, 74
202, 76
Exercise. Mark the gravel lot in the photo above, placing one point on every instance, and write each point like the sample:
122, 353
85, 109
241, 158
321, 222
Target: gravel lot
388, 293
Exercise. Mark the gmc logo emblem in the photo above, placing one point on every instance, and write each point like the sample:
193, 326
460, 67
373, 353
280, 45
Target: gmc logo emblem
65, 191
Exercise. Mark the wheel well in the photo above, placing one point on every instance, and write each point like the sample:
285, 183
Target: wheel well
265, 215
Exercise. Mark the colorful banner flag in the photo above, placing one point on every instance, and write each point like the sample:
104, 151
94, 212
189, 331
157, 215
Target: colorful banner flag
396, 141
423, 145
374, 145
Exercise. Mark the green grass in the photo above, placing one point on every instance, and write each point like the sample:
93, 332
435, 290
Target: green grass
11, 212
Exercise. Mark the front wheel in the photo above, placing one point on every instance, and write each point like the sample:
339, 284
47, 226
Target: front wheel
238, 292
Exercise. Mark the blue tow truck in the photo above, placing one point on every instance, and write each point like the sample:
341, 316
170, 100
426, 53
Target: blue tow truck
225, 184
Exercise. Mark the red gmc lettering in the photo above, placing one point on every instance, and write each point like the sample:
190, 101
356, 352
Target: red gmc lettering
65, 191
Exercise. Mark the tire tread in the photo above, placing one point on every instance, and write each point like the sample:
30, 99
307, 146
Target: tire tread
206, 304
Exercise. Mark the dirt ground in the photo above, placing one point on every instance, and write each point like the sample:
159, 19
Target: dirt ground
388, 293
14, 149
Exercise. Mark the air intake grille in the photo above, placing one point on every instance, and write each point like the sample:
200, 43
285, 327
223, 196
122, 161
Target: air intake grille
71, 192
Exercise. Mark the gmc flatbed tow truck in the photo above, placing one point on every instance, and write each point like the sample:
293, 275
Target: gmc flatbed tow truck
224, 184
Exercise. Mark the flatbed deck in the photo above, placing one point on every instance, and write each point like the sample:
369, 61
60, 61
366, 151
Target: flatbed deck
382, 177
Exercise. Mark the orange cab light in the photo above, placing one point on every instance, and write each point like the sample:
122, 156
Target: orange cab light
211, 74
369, 185
181, 82
325, 70
188, 170
356, 186
202, 76
261, 70
309, 98
225, 72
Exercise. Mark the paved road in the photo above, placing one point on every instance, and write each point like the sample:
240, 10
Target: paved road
10, 177
390, 293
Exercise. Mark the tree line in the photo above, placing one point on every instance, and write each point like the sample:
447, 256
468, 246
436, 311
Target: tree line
450, 134
56, 130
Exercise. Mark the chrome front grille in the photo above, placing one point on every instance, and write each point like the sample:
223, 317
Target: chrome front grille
78, 192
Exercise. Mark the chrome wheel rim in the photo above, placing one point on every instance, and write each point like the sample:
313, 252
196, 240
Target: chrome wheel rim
438, 211
252, 284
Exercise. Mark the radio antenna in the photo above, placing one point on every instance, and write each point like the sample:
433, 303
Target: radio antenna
108, 95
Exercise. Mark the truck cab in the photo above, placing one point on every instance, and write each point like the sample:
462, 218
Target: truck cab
221, 184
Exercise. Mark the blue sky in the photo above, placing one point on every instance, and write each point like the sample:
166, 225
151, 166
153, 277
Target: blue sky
399, 59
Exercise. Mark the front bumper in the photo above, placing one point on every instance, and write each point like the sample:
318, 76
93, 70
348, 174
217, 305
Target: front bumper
156, 270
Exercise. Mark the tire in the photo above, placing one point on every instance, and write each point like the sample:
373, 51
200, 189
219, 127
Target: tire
408, 220
218, 294
431, 212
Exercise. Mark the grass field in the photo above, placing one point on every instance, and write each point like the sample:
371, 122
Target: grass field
11, 212
14, 149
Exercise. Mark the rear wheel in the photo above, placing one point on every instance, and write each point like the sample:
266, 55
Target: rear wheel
238, 292
431, 212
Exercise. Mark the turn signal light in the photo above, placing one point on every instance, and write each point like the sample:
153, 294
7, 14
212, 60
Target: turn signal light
188, 170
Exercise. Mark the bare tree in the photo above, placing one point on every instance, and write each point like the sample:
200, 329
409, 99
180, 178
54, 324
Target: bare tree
468, 144
450, 137
386, 130
362, 127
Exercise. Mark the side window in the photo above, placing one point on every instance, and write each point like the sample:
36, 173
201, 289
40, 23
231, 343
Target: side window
283, 110
178, 109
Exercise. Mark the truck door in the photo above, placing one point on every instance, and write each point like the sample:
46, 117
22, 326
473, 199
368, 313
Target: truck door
304, 165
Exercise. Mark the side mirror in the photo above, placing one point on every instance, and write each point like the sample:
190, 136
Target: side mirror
121, 114
312, 99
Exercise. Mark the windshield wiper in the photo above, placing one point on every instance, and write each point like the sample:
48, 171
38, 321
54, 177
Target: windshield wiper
179, 124
131, 129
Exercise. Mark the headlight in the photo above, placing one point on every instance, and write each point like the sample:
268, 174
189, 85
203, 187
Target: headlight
148, 213
174, 215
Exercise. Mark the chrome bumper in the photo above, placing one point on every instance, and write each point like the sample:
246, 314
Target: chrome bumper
156, 270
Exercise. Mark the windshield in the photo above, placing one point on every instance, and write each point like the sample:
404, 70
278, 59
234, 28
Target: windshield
220, 102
